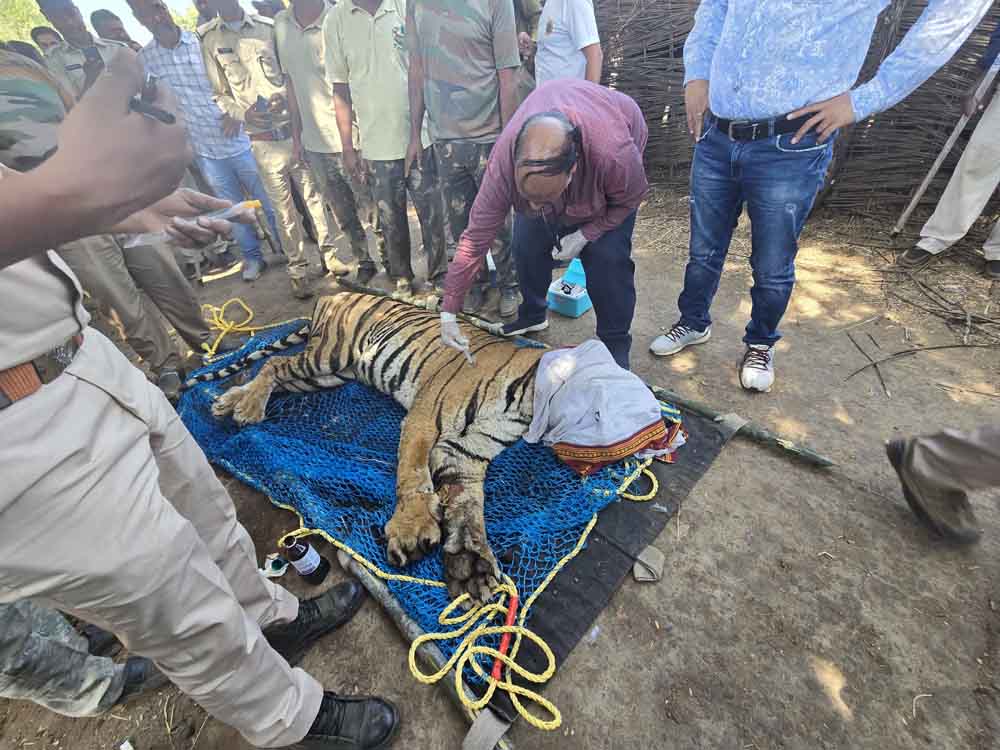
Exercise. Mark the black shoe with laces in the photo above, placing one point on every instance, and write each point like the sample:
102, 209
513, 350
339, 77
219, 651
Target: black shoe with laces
993, 269
141, 676
352, 723
520, 325
366, 272
317, 617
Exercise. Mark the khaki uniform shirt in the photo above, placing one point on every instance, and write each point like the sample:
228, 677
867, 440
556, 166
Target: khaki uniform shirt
66, 62
369, 54
302, 53
242, 66
41, 307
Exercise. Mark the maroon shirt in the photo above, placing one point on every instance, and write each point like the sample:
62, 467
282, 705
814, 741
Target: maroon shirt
609, 183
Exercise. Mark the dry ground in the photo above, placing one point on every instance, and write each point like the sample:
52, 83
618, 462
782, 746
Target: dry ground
800, 608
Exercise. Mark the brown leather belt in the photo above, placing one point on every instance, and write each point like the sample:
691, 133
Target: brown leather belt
22, 380
278, 134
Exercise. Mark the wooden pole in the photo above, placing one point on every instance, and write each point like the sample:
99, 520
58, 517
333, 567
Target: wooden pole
750, 430
945, 150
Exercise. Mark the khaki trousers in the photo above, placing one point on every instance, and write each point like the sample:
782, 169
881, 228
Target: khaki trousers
110, 511
277, 172
955, 461
969, 190
117, 277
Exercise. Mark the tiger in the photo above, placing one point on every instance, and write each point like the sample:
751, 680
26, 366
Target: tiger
460, 415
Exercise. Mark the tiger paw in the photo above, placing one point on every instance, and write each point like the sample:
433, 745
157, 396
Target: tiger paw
413, 531
252, 404
225, 403
473, 571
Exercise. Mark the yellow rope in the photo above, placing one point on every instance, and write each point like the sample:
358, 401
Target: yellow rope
217, 321
476, 624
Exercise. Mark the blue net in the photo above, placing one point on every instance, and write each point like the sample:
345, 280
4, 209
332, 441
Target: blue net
332, 456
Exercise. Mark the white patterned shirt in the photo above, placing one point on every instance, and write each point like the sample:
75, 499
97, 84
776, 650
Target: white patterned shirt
765, 58
183, 67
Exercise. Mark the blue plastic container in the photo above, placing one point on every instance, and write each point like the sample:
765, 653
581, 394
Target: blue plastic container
568, 294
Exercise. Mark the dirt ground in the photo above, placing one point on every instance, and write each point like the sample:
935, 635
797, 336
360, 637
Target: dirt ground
800, 608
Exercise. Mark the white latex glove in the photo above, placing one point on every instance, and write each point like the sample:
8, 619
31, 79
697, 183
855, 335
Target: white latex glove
451, 334
572, 245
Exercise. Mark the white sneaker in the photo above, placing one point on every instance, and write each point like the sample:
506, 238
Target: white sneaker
678, 338
757, 368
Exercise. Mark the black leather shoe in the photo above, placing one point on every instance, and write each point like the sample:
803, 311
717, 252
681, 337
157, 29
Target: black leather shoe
914, 258
100, 642
993, 269
352, 723
317, 617
141, 675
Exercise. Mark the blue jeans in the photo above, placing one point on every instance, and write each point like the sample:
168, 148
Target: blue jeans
610, 277
236, 179
778, 182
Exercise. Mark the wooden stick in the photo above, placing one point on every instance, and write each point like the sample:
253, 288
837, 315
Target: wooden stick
750, 430
946, 149
878, 370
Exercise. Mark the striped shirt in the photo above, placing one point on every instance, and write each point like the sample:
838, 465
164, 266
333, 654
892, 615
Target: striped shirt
183, 67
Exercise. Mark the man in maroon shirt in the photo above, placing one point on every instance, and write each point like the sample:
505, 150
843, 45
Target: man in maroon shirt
570, 164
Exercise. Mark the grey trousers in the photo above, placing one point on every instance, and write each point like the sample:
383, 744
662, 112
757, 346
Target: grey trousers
955, 461
44, 660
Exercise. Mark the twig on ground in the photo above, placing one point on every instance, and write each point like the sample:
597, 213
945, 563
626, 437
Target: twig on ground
918, 697
197, 734
910, 352
878, 370
954, 387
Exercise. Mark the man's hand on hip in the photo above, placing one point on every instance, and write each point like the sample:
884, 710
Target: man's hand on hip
695, 105
827, 117
112, 161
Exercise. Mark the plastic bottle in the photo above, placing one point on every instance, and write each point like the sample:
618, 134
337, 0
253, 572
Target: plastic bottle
308, 563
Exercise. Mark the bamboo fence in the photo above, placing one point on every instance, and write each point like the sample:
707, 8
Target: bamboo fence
878, 162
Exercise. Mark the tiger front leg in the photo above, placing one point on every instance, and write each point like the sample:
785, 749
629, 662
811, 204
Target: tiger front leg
469, 564
415, 527
248, 403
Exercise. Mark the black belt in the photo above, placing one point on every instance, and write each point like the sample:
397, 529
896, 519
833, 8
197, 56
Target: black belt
755, 130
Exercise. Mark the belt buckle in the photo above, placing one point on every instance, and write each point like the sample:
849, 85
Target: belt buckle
739, 123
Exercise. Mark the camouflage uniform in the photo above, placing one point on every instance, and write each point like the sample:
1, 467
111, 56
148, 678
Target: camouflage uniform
44, 660
389, 188
243, 68
462, 44
32, 104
